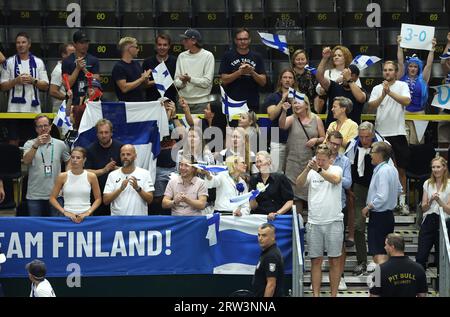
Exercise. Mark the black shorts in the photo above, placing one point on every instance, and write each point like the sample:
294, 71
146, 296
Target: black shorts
380, 225
401, 150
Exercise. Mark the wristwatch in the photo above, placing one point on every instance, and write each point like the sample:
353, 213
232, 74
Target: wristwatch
139, 189
35, 82
319, 170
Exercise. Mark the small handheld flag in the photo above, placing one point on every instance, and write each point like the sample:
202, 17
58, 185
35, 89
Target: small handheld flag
231, 107
364, 61
249, 196
162, 77
61, 120
293, 94
211, 168
275, 41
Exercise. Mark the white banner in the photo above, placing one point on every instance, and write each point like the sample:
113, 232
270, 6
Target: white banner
442, 97
417, 36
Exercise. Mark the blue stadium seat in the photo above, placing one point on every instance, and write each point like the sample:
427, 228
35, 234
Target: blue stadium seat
320, 13
174, 13
248, 13
55, 36
3, 44
137, 13
216, 41
25, 13
100, 13
55, 13
209, 14
145, 38
283, 14
361, 41
103, 42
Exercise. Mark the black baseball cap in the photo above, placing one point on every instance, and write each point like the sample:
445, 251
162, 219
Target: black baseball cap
354, 69
37, 268
192, 34
80, 37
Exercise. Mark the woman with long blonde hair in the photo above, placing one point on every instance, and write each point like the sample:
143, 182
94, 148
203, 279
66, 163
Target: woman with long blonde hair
436, 194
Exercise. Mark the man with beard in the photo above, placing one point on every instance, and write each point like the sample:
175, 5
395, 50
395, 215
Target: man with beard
129, 189
390, 99
103, 156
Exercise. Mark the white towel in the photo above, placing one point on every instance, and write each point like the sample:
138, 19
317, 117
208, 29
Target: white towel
361, 154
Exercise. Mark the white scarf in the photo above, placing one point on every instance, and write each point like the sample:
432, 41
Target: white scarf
362, 152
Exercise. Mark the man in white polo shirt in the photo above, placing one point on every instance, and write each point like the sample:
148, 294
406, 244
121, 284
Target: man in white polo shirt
129, 189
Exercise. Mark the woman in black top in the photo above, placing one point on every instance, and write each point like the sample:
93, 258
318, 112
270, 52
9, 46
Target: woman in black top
278, 197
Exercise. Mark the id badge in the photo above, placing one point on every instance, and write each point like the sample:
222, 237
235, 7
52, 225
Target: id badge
47, 170
81, 85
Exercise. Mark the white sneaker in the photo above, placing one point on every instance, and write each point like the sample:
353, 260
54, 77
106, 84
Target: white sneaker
404, 210
371, 267
342, 286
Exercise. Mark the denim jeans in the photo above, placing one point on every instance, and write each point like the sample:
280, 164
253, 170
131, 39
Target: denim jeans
42, 207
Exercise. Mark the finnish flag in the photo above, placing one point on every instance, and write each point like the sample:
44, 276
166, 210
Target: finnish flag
142, 124
162, 77
364, 61
293, 94
275, 41
231, 107
61, 120
311, 69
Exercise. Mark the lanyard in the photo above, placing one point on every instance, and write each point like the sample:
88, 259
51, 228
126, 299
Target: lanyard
51, 158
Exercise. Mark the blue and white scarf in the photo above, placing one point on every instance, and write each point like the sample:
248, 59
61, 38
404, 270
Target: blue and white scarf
33, 71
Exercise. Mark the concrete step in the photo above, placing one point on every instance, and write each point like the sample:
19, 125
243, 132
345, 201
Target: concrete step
362, 279
355, 292
351, 262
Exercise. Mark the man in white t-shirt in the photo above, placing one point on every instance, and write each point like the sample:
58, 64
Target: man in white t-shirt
40, 286
390, 99
325, 227
57, 87
23, 76
129, 189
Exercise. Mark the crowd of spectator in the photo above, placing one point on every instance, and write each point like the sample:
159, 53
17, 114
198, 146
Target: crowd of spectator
335, 173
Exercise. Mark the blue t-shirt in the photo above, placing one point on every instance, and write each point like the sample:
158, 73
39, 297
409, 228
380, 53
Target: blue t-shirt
245, 87
130, 72
274, 99
69, 65
152, 93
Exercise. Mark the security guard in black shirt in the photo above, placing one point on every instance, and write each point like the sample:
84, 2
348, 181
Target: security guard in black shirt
399, 276
269, 273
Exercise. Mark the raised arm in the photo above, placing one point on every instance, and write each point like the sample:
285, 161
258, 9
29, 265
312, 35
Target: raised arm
400, 59
427, 69
274, 110
445, 63
320, 75
285, 122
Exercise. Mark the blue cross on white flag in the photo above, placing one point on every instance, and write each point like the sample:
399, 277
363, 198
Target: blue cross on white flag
311, 69
61, 120
293, 94
364, 61
142, 124
275, 41
162, 78
249, 196
211, 168
231, 107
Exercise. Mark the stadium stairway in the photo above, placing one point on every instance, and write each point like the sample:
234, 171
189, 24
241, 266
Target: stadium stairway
358, 285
